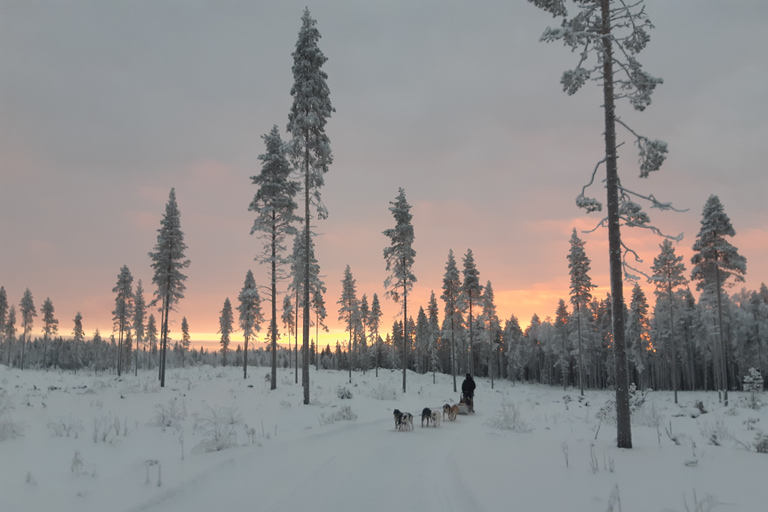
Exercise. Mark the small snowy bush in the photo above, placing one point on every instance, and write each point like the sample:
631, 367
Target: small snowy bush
66, 428
383, 392
510, 418
343, 392
761, 442
753, 383
9, 429
218, 427
170, 414
343, 414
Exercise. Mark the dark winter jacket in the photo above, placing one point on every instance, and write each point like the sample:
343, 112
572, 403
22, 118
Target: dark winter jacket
468, 386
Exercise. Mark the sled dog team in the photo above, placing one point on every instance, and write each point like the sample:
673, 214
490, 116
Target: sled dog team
404, 420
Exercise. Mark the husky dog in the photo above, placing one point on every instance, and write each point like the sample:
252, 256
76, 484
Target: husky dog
426, 414
436, 418
446, 411
406, 422
398, 418
453, 412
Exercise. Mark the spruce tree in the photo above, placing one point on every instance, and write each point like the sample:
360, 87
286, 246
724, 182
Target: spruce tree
668, 274
50, 326
250, 316
139, 314
310, 147
613, 32
274, 205
490, 318
123, 310
226, 324
3, 314
318, 305
471, 292
27, 310
434, 334
561, 328
167, 261
580, 290
78, 337
716, 260
185, 339
451, 296
374, 321
9, 330
348, 309
399, 257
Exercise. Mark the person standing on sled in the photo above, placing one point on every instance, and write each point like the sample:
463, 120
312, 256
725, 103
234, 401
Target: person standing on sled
468, 391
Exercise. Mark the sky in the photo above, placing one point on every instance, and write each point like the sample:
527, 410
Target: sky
108, 105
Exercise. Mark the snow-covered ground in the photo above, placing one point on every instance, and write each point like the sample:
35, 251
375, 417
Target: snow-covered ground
98, 443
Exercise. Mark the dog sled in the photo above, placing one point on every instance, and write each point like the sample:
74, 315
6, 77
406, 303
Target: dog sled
465, 405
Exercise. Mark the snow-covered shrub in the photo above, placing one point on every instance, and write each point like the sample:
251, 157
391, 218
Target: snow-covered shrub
753, 383
107, 429
715, 433
343, 414
66, 428
343, 392
170, 414
9, 429
218, 428
383, 392
761, 442
510, 418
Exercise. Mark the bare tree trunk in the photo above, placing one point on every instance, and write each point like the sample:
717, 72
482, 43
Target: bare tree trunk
723, 364
624, 432
405, 329
273, 325
581, 364
672, 333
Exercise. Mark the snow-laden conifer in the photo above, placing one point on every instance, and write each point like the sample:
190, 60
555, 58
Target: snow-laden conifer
3, 315
78, 337
580, 291
121, 316
399, 257
27, 311
471, 294
9, 330
451, 296
185, 339
167, 262
274, 206
226, 326
318, 306
715, 260
139, 315
310, 147
349, 308
50, 326
668, 275
250, 316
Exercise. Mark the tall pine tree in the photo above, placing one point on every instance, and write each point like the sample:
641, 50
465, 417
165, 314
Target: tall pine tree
580, 290
274, 206
310, 147
167, 261
250, 316
451, 296
715, 260
471, 293
399, 257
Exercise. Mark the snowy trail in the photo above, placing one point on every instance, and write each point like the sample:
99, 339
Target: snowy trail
424, 469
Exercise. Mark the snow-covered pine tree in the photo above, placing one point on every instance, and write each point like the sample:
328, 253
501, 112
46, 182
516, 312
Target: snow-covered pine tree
151, 339
3, 315
668, 275
422, 341
78, 337
638, 336
167, 261
50, 326
139, 314
374, 322
580, 290
310, 147
250, 316
613, 32
399, 257
513, 340
318, 305
226, 325
561, 328
274, 205
715, 260
123, 312
27, 310
491, 321
434, 335
451, 296
9, 330
471, 293
185, 339
288, 316
348, 310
